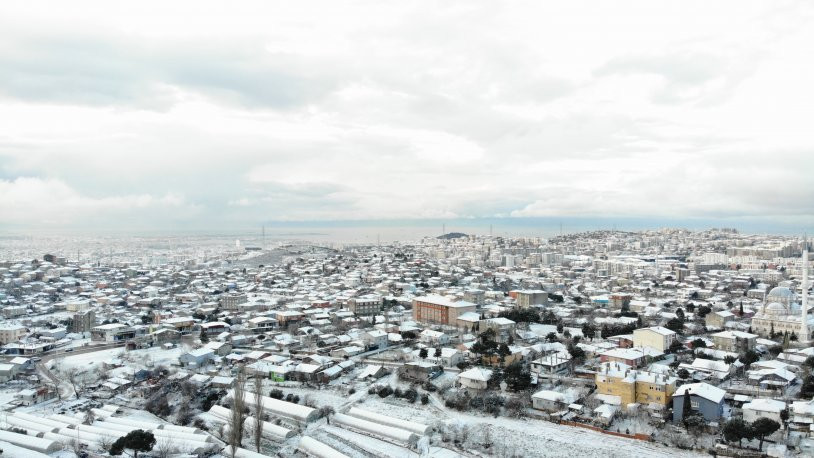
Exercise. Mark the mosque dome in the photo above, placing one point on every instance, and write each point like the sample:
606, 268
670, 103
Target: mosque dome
775, 308
781, 292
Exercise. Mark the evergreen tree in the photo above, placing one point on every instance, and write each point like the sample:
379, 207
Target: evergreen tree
686, 408
137, 441
763, 427
736, 430
588, 331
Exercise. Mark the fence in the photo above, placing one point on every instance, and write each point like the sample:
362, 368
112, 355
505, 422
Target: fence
641, 437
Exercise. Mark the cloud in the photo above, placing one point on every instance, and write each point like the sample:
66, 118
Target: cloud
212, 115
145, 73
686, 77
47, 202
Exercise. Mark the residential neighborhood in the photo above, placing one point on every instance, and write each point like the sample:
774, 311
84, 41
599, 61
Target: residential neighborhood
648, 338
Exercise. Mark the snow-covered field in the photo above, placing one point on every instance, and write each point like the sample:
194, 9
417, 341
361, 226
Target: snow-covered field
145, 358
521, 437
505, 436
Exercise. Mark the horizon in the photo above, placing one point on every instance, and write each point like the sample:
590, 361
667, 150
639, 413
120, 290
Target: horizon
394, 230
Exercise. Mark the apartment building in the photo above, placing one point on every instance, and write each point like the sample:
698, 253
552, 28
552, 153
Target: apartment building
530, 298
83, 321
632, 386
656, 337
366, 305
11, 332
439, 310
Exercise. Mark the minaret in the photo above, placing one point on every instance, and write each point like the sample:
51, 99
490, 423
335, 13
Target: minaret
804, 327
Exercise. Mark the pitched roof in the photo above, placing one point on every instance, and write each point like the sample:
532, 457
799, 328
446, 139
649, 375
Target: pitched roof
477, 373
703, 390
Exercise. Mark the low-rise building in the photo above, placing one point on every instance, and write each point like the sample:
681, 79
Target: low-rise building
763, 408
633, 357
734, 341
656, 337
475, 379
549, 401
554, 363
421, 371
10, 332
718, 320
112, 332
197, 358
503, 328
705, 399
375, 339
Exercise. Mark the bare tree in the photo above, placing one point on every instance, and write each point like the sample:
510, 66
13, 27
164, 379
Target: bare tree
75, 446
327, 411
165, 448
238, 414
72, 376
89, 417
105, 441
259, 411
101, 373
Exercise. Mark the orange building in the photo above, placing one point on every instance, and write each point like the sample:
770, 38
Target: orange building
439, 310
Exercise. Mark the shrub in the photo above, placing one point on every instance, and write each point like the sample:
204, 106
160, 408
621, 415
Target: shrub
385, 392
352, 391
492, 404
276, 393
458, 401
515, 406
425, 398
411, 395
211, 399
158, 405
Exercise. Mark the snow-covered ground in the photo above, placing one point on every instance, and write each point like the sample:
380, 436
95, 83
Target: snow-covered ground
144, 358
521, 437
505, 436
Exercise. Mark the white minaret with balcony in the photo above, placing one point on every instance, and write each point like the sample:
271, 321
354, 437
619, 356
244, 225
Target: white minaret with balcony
804, 332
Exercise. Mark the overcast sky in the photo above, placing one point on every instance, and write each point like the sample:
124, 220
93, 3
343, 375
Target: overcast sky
206, 115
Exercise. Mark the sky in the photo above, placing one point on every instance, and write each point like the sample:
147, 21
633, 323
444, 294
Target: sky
199, 114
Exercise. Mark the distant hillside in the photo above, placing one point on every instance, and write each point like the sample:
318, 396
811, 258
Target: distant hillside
452, 235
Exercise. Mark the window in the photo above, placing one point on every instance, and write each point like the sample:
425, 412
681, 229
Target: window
693, 404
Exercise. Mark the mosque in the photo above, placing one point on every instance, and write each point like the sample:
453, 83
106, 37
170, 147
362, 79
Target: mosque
781, 311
